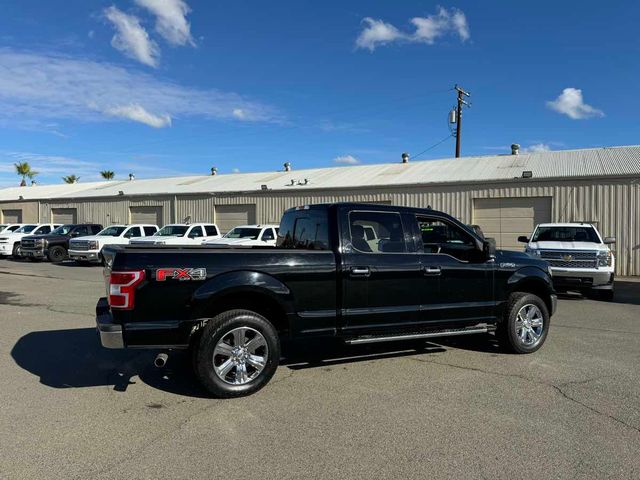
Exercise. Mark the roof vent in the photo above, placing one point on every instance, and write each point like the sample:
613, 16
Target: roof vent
405, 157
515, 149
132, 177
287, 166
33, 183
214, 170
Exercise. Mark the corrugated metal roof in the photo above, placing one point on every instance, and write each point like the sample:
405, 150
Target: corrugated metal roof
593, 162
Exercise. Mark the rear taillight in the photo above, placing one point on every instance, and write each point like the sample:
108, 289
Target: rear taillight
122, 288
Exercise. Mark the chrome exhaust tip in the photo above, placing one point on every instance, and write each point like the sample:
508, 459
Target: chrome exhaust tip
161, 360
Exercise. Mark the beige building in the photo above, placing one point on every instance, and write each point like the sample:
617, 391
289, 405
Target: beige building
507, 195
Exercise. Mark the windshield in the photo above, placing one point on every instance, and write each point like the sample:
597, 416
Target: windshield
251, 233
172, 230
566, 234
112, 231
62, 230
26, 229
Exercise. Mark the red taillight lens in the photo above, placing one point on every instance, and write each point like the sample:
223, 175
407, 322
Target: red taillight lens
122, 288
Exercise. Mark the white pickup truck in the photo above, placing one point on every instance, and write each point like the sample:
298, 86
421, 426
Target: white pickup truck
579, 257
88, 249
181, 234
248, 236
10, 241
10, 227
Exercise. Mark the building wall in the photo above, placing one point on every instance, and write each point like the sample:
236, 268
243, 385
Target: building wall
29, 209
611, 203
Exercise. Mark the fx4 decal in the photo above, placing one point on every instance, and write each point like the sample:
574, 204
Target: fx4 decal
181, 274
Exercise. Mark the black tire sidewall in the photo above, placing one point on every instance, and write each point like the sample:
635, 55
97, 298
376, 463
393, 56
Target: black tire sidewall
52, 256
509, 334
215, 329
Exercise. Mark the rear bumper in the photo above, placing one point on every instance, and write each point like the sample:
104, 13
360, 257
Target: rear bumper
111, 335
162, 334
87, 256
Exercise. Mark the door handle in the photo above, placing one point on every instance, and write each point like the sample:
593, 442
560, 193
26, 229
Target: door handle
360, 271
432, 270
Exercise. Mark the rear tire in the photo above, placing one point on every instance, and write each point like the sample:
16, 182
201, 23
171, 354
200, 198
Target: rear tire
525, 323
57, 254
237, 354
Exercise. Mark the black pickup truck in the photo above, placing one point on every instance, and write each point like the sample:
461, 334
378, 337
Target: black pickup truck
362, 273
55, 245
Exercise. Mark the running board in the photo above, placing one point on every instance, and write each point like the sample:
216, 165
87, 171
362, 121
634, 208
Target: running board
418, 335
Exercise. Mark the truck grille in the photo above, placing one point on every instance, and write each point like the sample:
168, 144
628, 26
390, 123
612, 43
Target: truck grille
570, 258
29, 243
80, 245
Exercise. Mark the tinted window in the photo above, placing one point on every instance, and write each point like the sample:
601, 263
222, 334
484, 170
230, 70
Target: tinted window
211, 230
243, 232
443, 237
149, 230
304, 229
196, 232
170, 230
376, 232
81, 231
112, 232
268, 234
133, 232
95, 229
43, 230
63, 229
566, 234
26, 229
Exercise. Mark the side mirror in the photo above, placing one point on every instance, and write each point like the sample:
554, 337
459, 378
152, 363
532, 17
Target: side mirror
489, 248
523, 239
609, 240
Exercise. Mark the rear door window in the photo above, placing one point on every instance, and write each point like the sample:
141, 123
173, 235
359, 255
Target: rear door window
211, 230
377, 232
148, 231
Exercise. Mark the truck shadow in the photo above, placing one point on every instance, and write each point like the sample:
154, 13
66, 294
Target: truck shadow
74, 358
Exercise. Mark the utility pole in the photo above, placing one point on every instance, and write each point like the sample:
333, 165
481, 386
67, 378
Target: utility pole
461, 102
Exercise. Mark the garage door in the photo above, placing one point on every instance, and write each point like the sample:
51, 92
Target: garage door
11, 216
150, 215
229, 216
507, 218
64, 215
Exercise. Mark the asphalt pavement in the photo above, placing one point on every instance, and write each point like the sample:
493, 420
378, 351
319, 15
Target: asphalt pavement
456, 408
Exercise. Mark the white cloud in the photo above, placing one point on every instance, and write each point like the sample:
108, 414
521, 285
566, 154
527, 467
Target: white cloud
239, 113
571, 104
346, 160
41, 88
537, 148
171, 21
377, 32
235, 170
131, 38
139, 114
427, 29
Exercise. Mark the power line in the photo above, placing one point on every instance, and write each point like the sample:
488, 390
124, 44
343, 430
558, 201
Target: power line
432, 146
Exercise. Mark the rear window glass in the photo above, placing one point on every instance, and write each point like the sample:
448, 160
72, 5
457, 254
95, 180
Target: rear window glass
566, 234
304, 229
211, 230
150, 230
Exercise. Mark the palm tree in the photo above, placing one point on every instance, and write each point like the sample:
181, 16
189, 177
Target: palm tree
107, 174
71, 179
24, 170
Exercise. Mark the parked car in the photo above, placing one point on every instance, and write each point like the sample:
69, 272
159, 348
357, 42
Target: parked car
426, 276
181, 234
10, 227
580, 258
248, 236
88, 249
10, 242
55, 245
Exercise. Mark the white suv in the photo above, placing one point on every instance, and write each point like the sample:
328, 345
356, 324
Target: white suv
10, 241
579, 257
88, 249
181, 234
248, 236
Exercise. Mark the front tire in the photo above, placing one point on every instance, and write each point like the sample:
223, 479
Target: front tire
237, 354
15, 253
525, 324
57, 254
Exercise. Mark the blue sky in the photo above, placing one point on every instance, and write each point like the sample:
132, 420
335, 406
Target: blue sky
166, 87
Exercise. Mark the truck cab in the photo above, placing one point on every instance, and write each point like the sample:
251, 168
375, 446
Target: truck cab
579, 257
181, 234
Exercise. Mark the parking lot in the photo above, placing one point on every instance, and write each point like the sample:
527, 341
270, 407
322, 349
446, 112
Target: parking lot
448, 409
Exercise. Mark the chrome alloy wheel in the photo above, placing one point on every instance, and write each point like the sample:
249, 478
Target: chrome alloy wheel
240, 356
529, 325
